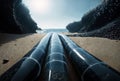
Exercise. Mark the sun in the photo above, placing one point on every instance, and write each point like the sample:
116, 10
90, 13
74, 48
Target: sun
38, 6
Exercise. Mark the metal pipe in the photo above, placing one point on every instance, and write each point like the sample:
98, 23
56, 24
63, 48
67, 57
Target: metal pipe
30, 68
56, 66
87, 66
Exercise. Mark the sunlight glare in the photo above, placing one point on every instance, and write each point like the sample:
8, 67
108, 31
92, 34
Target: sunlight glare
39, 6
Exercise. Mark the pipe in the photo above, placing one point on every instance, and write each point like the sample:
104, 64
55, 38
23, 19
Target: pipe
30, 68
56, 66
87, 66
11, 71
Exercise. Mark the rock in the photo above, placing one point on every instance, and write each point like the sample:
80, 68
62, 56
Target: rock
15, 18
100, 16
111, 31
5, 61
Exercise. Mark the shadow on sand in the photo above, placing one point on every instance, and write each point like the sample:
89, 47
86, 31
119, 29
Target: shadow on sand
5, 38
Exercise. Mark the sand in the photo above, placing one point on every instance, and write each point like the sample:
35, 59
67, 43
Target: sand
14, 47
105, 49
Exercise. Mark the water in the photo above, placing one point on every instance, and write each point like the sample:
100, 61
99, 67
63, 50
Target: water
52, 30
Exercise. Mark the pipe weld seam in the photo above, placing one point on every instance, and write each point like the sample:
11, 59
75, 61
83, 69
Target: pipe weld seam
39, 65
90, 66
33, 53
56, 61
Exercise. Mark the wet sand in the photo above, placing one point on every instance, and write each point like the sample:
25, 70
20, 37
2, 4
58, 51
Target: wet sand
14, 47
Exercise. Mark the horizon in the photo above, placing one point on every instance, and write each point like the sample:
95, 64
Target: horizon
54, 28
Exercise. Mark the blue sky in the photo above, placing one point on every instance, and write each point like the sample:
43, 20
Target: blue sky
58, 13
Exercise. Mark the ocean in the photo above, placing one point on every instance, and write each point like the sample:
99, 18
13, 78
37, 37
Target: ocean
52, 31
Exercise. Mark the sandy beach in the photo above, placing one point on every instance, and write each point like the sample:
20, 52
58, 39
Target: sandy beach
14, 47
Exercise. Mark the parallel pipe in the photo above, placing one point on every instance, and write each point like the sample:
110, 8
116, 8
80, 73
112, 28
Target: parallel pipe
31, 66
87, 66
56, 66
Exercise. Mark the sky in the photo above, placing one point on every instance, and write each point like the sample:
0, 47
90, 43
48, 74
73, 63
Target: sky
57, 14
